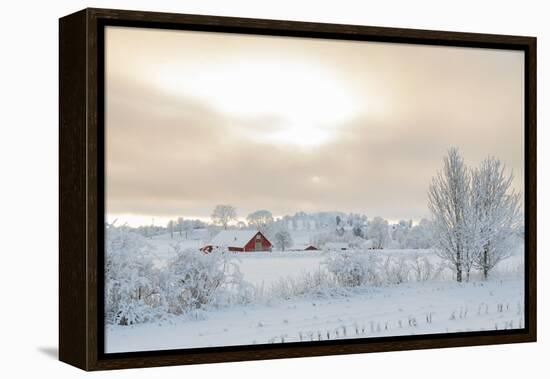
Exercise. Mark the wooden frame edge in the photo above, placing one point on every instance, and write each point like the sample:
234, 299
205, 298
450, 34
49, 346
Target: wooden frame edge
72, 190
78, 185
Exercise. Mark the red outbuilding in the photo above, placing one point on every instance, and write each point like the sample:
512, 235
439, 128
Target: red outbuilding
239, 241
311, 247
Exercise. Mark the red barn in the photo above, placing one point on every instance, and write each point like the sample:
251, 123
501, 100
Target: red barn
311, 247
240, 241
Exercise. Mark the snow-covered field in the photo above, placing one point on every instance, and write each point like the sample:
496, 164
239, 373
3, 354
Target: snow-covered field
436, 306
263, 268
407, 309
268, 268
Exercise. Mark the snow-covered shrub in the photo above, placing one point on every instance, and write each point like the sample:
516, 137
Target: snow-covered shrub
196, 278
128, 273
200, 280
425, 270
395, 270
352, 269
317, 283
422, 268
135, 312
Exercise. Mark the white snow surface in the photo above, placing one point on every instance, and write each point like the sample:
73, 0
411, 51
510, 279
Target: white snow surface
410, 308
406, 309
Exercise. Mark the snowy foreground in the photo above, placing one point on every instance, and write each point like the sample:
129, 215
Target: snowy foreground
438, 306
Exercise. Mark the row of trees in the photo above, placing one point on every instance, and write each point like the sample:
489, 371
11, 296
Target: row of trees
378, 231
224, 214
475, 213
261, 220
379, 234
183, 227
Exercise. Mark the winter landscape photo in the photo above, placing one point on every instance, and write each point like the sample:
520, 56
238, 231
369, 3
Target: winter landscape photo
272, 190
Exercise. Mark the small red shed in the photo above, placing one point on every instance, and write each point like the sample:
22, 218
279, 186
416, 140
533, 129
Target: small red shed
311, 247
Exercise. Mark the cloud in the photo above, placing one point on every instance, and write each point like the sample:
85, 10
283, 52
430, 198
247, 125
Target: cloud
175, 155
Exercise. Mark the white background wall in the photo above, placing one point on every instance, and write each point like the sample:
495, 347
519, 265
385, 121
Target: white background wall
28, 190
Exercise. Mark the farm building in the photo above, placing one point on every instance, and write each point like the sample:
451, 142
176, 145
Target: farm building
335, 246
311, 247
239, 241
303, 247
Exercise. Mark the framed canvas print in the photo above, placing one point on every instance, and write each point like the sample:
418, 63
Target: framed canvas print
239, 189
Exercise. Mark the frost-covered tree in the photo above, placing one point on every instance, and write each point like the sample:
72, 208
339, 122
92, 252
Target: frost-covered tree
189, 226
400, 232
223, 214
180, 225
496, 210
358, 231
475, 213
321, 239
260, 219
448, 201
378, 233
339, 230
420, 236
282, 240
170, 227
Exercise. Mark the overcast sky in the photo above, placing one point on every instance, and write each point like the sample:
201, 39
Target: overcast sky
195, 119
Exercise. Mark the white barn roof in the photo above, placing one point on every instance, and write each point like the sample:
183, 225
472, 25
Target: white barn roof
233, 238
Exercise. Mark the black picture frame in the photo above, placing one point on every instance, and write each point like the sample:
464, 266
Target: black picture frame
81, 187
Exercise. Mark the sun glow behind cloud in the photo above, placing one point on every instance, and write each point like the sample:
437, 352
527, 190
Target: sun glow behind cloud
308, 101
288, 124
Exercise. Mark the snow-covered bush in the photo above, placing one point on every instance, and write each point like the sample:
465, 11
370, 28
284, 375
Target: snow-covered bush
396, 270
137, 291
128, 271
136, 312
317, 283
352, 269
424, 270
197, 277
201, 280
